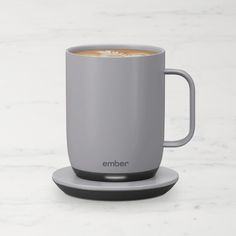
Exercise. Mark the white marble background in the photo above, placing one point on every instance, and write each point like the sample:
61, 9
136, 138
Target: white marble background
198, 35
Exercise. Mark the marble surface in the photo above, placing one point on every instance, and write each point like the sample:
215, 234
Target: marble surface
199, 37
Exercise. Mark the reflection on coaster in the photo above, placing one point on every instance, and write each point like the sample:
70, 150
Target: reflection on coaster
69, 183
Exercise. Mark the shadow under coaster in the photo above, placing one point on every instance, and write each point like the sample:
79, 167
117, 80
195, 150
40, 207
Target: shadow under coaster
70, 184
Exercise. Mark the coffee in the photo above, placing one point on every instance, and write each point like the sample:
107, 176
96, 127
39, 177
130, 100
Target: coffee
115, 52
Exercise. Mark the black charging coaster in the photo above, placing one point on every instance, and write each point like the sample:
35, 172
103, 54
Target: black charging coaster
70, 184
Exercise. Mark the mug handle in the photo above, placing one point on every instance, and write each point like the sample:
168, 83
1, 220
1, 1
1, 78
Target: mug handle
188, 78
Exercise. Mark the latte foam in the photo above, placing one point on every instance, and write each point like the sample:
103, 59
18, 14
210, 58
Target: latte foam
115, 52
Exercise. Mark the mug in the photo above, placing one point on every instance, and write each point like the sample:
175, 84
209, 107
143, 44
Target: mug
115, 109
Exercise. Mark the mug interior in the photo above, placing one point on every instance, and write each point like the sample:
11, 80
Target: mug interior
155, 50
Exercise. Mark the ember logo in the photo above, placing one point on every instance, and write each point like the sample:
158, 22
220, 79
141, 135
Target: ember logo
115, 163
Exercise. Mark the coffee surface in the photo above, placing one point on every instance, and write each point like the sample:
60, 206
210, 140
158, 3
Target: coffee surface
113, 52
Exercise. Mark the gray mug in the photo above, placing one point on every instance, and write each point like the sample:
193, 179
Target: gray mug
115, 110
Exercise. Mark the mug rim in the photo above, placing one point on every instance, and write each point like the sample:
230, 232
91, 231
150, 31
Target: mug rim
158, 50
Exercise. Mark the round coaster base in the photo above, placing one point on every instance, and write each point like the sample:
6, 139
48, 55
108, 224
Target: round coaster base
72, 185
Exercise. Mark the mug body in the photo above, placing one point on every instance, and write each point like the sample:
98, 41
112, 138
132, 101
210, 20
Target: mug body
115, 113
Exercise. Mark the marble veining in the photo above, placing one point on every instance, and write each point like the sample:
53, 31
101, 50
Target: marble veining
198, 36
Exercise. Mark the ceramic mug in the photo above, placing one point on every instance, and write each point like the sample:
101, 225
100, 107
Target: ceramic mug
115, 108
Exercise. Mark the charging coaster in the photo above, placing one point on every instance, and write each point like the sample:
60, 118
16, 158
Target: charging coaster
70, 184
